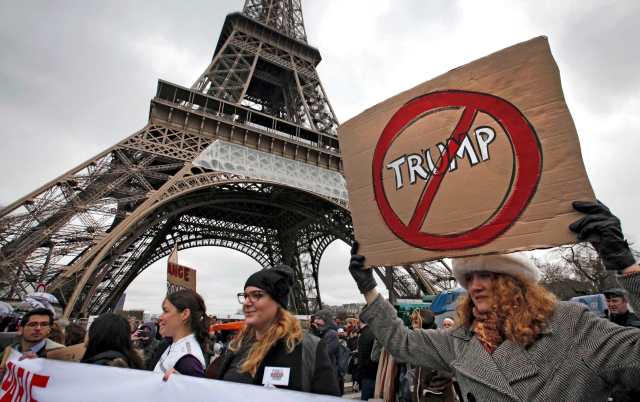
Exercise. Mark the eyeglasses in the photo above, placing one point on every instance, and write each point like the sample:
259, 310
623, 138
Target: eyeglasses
252, 296
37, 324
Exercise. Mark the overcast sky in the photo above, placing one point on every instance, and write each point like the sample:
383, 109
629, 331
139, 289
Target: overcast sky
77, 76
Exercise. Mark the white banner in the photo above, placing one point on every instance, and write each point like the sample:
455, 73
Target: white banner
43, 380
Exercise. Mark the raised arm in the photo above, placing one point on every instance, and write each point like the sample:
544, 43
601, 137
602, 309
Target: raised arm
427, 348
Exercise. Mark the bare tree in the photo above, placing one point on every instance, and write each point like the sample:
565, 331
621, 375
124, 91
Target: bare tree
574, 270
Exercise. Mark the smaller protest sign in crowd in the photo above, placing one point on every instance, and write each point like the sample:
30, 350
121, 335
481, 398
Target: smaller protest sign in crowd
501, 174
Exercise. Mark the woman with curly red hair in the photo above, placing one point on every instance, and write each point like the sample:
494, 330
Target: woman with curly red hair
504, 300
514, 340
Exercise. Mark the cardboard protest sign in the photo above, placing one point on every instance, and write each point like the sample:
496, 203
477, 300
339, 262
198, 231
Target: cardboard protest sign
179, 276
482, 159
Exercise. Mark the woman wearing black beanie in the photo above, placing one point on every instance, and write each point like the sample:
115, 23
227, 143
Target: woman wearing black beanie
272, 349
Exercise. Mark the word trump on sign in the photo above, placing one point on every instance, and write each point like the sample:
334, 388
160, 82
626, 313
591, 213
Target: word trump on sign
422, 166
482, 159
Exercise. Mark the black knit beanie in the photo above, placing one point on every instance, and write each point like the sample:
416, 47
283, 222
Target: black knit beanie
276, 281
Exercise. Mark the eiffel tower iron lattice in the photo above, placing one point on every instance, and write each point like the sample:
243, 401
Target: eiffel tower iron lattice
260, 109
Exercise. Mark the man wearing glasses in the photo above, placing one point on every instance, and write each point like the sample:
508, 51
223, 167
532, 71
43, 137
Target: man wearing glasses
34, 329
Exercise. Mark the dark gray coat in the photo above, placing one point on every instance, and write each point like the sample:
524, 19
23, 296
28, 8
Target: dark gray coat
578, 358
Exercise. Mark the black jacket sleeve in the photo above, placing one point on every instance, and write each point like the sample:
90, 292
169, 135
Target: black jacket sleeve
366, 367
331, 340
325, 379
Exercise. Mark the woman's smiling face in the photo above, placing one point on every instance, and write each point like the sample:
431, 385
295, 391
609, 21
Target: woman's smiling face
259, 308
171, 319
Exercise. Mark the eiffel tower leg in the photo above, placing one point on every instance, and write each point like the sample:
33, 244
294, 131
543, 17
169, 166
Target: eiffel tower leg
298, 293
97, 256
112, 298
386, 274
314, 248
66, 220
307, 285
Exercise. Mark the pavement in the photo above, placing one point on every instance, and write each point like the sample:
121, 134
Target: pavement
348, 392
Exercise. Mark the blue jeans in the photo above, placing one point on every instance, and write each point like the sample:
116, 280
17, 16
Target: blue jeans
367, 387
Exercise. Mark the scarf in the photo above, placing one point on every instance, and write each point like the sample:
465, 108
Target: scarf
487, 328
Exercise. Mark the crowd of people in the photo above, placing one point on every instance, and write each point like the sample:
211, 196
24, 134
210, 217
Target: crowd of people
511, 339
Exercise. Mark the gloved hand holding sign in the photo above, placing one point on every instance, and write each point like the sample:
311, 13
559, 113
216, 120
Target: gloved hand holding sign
603, 230
363, 277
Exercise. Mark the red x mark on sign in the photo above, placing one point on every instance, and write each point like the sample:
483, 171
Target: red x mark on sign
527, 156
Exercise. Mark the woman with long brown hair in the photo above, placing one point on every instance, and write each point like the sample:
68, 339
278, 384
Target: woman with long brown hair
184, 320
108, 343
272, 349
514, 340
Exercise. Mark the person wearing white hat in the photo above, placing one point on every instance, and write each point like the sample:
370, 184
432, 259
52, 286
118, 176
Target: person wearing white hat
514, 341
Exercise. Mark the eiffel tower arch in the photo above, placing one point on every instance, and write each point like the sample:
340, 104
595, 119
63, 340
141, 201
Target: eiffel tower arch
246, 158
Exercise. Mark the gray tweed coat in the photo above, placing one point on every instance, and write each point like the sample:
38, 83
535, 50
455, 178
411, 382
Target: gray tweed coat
578, 358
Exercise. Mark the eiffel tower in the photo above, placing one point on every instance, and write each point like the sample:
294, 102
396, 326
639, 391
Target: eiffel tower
246, 158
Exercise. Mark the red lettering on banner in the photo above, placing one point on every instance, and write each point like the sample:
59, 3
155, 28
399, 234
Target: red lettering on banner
18, 384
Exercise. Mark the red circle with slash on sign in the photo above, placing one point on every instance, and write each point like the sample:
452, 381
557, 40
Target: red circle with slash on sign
527, 159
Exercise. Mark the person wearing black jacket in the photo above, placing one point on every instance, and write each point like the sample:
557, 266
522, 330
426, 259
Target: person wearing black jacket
272, 349
324, 327
618, 305
109, 343
367, 369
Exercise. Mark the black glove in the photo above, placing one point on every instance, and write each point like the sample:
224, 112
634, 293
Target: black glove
602, 229
363, 277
